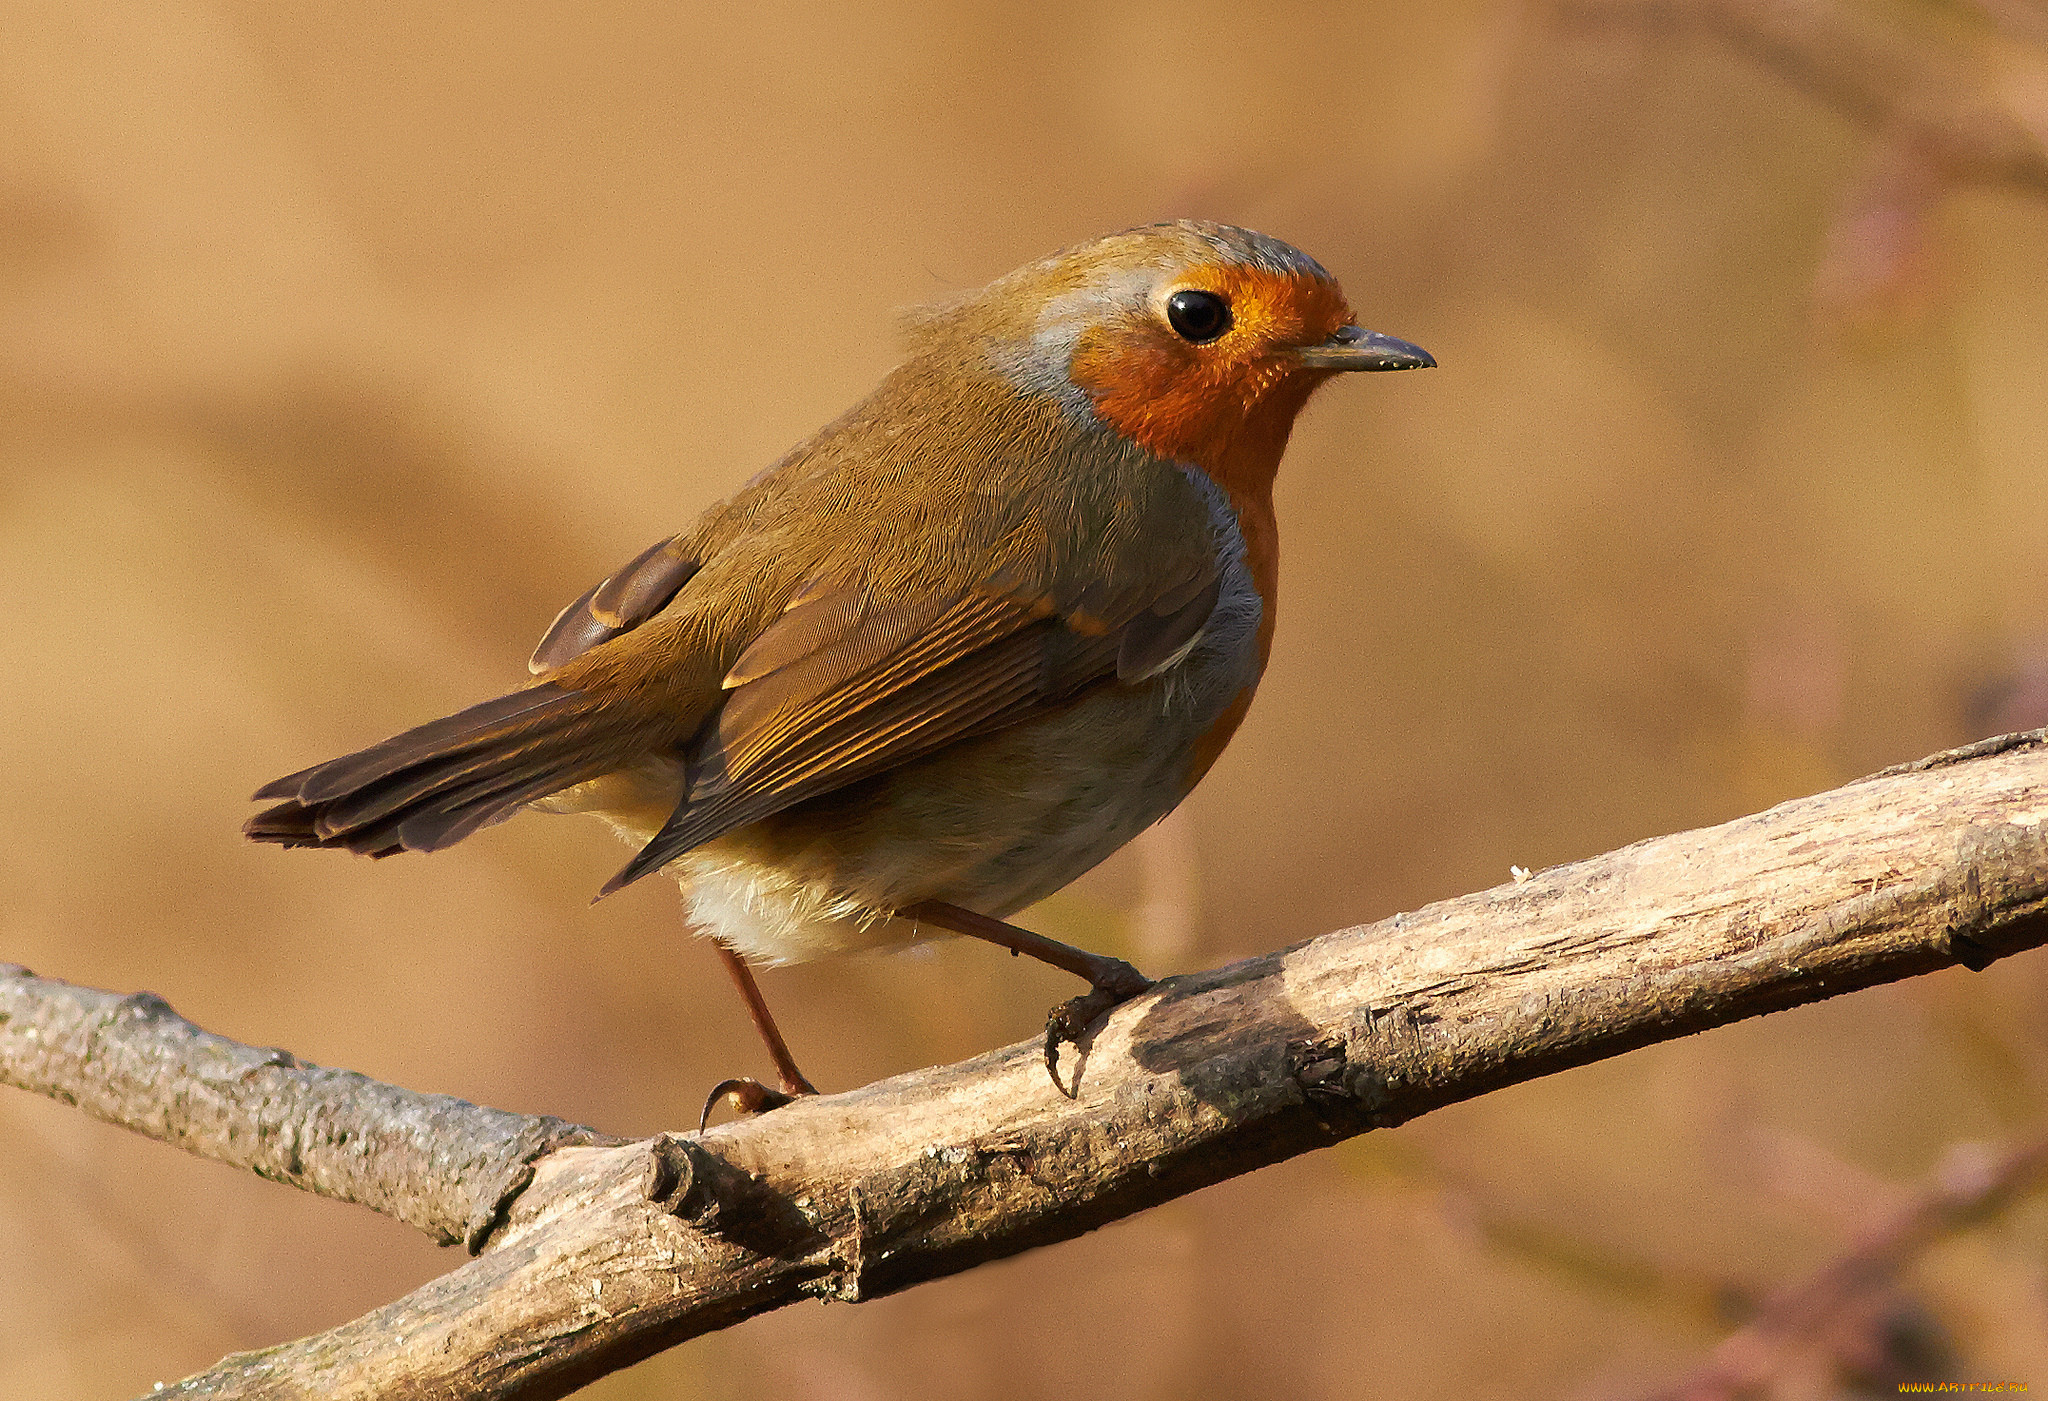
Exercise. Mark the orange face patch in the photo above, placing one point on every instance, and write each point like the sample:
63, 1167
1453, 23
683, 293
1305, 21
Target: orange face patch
1192, 403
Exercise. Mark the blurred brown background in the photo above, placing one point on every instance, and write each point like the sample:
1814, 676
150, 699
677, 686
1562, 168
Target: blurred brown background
341, 345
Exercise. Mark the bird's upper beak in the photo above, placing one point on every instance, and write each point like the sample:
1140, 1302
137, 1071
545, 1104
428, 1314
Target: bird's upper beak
1355, 348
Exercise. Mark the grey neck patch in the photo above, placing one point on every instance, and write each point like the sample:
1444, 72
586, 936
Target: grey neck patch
1042, 366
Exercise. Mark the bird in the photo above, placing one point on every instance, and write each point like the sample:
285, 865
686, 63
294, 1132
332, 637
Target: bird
941, 658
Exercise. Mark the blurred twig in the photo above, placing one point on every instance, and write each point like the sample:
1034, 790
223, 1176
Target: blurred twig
1912, 82
614, 1252
1971, 1187
1946, 103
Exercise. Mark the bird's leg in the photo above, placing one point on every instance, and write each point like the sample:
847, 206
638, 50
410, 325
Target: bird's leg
1111, 979
751, 1096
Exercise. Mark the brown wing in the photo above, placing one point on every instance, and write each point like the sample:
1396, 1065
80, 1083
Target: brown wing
843, 687
1162, 633
617, 604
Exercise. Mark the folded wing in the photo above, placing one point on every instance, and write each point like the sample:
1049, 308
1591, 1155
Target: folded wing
843, 687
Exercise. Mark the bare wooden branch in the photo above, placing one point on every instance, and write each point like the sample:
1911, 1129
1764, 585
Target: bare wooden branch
438, 1163
615, 1252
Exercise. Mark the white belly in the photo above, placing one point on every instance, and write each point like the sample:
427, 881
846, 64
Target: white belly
753, 906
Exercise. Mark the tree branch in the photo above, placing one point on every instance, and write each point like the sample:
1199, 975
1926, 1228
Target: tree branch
438, 1163
615, 1252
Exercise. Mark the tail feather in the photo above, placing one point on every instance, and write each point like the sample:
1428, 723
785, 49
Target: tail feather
450, 736
444, 823
475, 771
434, 785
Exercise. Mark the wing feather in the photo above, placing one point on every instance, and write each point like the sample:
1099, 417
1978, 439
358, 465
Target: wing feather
617, 604
1162, 634
864, 687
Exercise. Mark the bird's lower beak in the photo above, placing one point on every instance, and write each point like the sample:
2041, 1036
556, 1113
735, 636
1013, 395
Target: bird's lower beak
1355, 348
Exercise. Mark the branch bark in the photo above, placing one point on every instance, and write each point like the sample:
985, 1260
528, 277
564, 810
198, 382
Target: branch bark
438, 1163
616, 1251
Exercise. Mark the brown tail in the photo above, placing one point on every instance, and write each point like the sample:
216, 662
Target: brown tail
432, 786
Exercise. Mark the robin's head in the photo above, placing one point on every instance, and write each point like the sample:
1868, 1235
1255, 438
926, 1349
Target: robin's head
1198, 341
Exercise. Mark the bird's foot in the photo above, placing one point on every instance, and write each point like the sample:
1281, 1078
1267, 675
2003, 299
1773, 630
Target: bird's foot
1111, 979
1116, 983
751, 1097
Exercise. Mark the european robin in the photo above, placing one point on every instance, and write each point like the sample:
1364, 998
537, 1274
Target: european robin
947, 654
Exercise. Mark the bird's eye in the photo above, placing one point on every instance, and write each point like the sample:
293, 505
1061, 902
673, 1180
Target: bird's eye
1198, 316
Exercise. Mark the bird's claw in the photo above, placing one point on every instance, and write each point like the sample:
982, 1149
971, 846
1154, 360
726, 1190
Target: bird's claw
748, 1097
1069, 1021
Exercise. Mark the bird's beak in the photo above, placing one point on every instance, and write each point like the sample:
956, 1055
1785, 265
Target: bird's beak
1355, 348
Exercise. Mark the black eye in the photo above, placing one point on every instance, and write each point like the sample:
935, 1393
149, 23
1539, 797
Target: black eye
1198, 316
